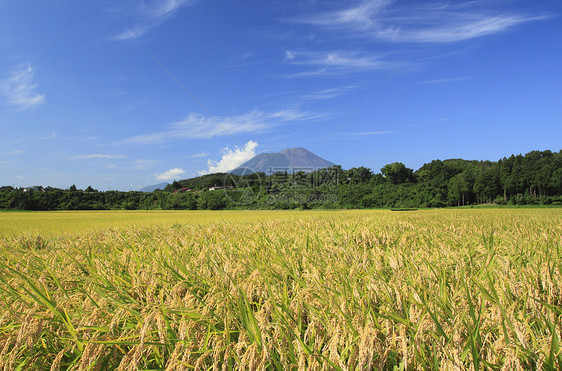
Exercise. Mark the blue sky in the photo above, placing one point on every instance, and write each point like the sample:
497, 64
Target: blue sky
120, 95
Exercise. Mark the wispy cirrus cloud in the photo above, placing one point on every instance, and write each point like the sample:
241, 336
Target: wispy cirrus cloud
20, 89
243, 59
131, 33
465, 28
149, 15
327, 93
360, 134
447, 80
197, 126
96, 155
386, 20
334, 62
356, 18
198, 155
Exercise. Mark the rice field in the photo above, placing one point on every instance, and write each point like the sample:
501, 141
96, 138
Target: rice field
71, 223
432, 289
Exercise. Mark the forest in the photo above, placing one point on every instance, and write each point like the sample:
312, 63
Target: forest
531, 179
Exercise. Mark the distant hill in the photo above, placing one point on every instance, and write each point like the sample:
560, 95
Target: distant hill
289, 160
154, 187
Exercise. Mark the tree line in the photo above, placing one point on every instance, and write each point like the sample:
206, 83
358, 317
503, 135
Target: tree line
532, 179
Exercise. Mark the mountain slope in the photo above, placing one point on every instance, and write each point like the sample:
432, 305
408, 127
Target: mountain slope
154, 187
289, 160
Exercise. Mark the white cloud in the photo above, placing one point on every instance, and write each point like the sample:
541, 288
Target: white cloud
314, 73
327, 93
231, 159
337, 58
425, 23
334, 62
171, 174
150, 15
292, 114
50, 137
163, 9
131, 33
198, 155
96, 155
197, 126
243, 57
19, 89
359, 17
462, 30
446, 80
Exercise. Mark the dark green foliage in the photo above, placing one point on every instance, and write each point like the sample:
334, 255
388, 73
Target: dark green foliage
535, 178
397, 173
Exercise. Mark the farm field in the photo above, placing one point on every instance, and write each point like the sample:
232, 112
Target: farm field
71, 223
427, 289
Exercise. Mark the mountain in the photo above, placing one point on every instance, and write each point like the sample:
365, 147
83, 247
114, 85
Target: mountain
289, 160
154, 187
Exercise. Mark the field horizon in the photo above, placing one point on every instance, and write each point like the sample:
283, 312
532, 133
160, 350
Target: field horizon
65, 222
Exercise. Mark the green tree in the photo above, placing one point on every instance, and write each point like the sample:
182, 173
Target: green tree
487, 184
459, 189
357, 175
397, 173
